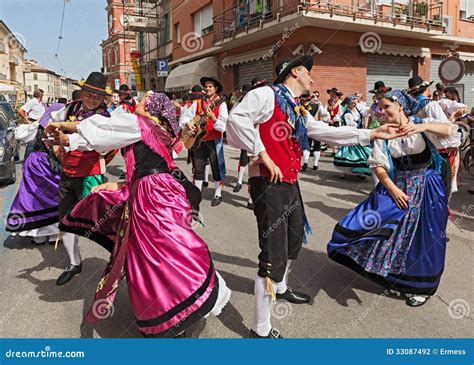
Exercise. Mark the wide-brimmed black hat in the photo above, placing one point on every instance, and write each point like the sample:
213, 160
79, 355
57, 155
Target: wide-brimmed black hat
379, 86
96, 83
214, 80
334, 90
123, 89
285, 66
257, 82
416, 82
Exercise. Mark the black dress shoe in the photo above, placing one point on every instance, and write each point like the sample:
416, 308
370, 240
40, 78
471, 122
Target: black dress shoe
315, 168
413, 302
250, 205
216, 201
274, 333
205, 184
304, 167
293, 297
237, 188
69, 273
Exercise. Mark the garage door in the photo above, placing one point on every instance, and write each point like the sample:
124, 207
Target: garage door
393, 70
465, 86
249, 70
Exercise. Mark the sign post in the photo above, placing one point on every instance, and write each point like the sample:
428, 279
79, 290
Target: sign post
162, 67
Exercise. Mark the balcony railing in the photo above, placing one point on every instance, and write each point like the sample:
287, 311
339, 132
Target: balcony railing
248, 14
414, 13
14, 60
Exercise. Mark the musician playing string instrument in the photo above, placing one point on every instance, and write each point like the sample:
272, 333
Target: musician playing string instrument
211, 146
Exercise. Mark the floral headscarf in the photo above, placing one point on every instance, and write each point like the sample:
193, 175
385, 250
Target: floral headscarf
410, 105
160, 106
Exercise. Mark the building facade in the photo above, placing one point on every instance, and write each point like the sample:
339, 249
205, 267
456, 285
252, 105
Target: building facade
354, 42
54, 86
12, 59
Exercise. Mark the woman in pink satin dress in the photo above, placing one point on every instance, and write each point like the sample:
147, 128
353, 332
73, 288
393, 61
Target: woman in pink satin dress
145, 222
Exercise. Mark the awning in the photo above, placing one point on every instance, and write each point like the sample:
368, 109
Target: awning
4, 87
397, 50
185, 76
466, 56
250, 56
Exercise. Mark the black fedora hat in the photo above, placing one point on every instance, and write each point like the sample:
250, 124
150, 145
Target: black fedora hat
417, 82
123, 89
284, 67
334, 90
257, 82
214, 80
95, 83
379, 86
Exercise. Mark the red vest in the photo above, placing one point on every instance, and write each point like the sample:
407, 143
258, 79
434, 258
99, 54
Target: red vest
282, 149
212, 134
81, 164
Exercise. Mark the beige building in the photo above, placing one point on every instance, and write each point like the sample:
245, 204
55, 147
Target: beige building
12, 62
54, 86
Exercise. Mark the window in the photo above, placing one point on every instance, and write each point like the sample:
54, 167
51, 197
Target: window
35, 87
35, 76
117, 59
203, 20
177, 31
466, 9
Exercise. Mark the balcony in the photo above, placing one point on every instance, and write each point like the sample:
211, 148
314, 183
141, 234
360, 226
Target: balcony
419, 15
142, 23
14, 60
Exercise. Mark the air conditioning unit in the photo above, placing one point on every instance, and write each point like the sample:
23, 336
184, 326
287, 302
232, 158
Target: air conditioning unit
448, 24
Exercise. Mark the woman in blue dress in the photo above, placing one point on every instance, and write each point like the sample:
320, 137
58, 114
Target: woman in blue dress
397, 236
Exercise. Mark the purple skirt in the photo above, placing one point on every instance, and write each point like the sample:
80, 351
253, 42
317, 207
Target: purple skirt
36, 202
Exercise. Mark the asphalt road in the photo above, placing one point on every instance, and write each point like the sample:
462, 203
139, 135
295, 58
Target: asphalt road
342, 305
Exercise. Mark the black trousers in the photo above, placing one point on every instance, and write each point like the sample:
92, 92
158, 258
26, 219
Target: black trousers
70, 192
244, 158
206, 151
280, 219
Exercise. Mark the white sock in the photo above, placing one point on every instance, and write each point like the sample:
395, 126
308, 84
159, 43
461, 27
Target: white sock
305, 156
281, 286
218, 187
317, 155
263, 308
71, 244
241, 174
198, 183
206, 173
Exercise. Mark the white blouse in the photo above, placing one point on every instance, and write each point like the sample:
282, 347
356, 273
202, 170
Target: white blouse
257, 107
411, 145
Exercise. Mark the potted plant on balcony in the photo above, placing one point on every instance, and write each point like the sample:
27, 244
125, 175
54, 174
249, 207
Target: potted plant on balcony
421, 10
401, 12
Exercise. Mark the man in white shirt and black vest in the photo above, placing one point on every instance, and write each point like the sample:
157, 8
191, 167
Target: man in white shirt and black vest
271, 124
212, 145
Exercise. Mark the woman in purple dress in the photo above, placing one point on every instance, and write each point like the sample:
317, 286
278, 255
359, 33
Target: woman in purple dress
145, 222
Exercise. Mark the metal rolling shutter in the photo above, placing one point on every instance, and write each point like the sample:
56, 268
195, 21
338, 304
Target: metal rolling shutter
393, 70
247, 71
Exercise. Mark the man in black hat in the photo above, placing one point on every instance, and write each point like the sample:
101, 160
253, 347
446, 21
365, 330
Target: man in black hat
76, 165
212, 145
126, 101
270, 123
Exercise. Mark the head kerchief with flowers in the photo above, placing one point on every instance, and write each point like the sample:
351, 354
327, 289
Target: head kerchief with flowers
161, 107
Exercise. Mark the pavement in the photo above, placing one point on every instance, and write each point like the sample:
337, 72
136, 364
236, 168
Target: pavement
342, 303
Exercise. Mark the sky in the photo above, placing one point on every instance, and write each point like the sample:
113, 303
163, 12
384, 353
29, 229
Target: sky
37, 23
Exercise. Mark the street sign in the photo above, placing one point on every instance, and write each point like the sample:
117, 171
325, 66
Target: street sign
117, 84
162, 67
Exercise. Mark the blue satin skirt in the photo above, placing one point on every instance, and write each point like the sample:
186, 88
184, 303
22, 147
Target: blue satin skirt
403, 250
